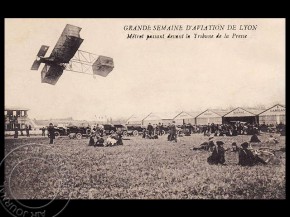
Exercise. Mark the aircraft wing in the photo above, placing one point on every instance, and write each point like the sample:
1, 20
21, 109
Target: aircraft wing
67, 45
51, 73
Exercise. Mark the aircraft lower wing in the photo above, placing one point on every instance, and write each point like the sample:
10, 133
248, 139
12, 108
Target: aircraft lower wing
51, 73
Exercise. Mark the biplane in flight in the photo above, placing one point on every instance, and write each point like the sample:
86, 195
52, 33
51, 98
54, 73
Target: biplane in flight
66, 56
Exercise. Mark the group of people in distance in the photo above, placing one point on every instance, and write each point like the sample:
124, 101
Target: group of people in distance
27, 129
246, 156
150, 132
97, 139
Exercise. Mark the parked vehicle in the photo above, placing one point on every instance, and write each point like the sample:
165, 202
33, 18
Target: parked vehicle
122, 128
60, 131
109, 129
79, 131
135, 130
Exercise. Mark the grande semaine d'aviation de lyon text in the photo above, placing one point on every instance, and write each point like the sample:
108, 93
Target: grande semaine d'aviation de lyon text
186, 27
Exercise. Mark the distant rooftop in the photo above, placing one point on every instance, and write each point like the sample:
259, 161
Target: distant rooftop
220, 112
16, 108
193, 114
255, 111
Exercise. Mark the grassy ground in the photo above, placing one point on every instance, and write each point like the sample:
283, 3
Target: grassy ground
140, 169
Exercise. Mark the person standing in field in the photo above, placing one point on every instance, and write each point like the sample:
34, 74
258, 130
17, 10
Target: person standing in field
172, 132
157, 129
51, 134
16, 132
150, 129
43, 131
160, 129
27, 131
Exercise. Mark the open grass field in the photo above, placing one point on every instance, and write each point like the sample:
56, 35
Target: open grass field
140, 169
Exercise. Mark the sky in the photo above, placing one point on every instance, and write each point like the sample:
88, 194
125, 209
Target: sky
154, 75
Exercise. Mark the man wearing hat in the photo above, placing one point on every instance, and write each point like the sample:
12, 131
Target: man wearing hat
171, 132
51, 135
16, 132
218, 154
150, 129
247, 158
173, 135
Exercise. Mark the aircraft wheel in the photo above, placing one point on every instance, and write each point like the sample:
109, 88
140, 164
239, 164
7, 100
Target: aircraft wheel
125, 133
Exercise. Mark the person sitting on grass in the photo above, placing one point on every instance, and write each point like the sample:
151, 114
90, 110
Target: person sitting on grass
144, 133
207, 146
114, 139
247, 158
91, 141
272, 139
151, 137
100, 141
255, 138
235, 148
110, 141
218, 154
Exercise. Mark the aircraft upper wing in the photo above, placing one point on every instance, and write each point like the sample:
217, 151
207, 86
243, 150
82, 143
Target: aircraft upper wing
67, 45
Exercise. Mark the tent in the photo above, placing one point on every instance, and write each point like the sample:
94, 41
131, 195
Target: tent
273, 115
210, 116
249, 115
184, 118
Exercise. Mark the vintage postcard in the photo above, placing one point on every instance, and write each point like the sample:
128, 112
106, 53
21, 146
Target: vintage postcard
144, 109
